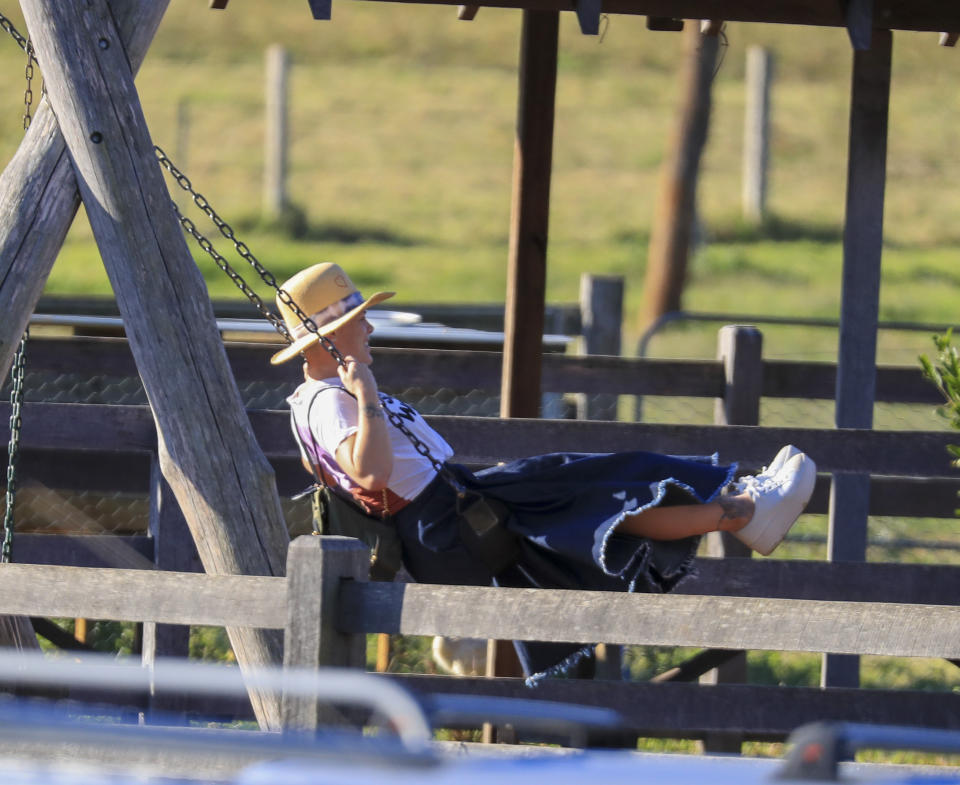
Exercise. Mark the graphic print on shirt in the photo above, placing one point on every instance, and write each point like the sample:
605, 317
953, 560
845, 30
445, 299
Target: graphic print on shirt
399, 408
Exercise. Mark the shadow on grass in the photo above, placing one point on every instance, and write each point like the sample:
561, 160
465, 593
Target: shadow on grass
293, 224
775, 228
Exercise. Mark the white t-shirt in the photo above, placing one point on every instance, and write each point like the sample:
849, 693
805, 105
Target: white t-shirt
334, 417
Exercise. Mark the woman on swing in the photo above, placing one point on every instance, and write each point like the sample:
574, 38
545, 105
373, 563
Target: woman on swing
617, 522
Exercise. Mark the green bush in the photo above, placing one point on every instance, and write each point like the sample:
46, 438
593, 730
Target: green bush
944, 372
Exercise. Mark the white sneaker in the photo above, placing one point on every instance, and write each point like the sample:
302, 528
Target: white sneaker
778, 501
767, 472
785, 454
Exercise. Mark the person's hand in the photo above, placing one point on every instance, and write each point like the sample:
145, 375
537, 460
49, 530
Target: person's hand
358, 379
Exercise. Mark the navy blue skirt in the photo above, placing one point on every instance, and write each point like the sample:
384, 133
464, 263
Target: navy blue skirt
565, 507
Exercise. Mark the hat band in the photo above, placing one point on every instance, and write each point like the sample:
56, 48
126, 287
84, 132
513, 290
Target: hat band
327, 314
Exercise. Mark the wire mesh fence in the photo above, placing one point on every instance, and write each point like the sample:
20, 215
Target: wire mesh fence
51, 510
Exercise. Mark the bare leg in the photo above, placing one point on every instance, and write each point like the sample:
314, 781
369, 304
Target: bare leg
728, 513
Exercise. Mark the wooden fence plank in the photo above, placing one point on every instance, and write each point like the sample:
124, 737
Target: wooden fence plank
143, 595
487, 440
481, 370
891, 629
761, 712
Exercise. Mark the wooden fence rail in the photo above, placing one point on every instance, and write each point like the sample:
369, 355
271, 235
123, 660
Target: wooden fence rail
326, 617
106, 448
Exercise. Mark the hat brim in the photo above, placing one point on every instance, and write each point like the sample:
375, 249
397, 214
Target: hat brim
311, 338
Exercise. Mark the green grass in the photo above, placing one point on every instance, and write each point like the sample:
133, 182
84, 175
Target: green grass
401, 148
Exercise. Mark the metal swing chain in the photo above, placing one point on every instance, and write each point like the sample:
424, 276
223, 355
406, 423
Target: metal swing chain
17, 368
270, 280
13, 448
28, 93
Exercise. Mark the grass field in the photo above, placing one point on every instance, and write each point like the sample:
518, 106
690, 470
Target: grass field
402, 125
401, 149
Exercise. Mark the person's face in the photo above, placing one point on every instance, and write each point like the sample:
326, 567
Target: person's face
353, 340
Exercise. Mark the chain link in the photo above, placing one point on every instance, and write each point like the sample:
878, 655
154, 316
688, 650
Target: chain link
283, 296
13, 448
28, 93
7, 25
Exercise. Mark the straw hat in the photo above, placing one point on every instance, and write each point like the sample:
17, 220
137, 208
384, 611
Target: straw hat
325, 293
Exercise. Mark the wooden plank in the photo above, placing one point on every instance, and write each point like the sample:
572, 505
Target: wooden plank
890, 629
926, 15
601, 304
949, 39
527, 260
860, 302
921, 584
99, 550
759, 712
143, 595
467, 13
487, 440
457, 369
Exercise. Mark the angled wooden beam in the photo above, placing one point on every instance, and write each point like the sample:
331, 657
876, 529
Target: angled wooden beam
588, 15
467, 13
858, 17
321, 9
208, 453
38, 193
949, 39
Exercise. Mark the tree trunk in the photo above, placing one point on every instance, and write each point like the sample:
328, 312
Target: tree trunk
676, 196
208, 453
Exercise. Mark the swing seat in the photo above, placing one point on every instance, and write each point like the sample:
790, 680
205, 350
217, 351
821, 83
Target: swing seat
335, 514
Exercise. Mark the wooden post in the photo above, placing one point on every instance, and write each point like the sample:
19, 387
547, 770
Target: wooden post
208, 453
38, 199
677, 188
860, 298
38, 193
756, 133
527, 268
601, 316
275, 136
740, 349
315, 568
174, 551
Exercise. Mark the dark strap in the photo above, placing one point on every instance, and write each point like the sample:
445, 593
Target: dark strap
482, 525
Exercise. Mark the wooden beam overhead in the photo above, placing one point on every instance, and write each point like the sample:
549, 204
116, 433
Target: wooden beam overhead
933, 16
219, 4
664, 23
588, 15
466, 13
949, 39
858, 15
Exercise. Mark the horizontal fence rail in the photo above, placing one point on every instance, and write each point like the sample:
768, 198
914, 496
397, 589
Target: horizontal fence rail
441, 368
487, 440
891, 629
142, 595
